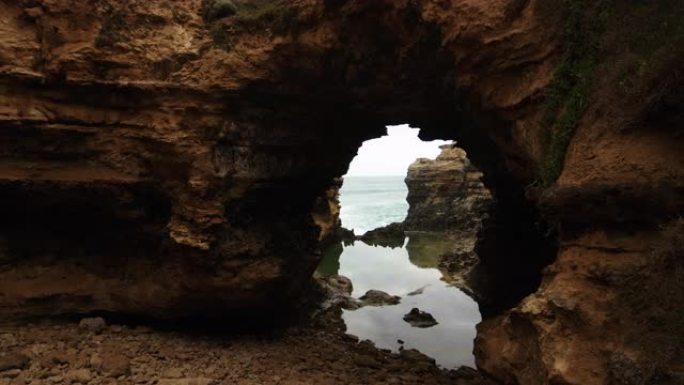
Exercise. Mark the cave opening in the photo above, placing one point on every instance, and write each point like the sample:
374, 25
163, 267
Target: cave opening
373, 193
411, 210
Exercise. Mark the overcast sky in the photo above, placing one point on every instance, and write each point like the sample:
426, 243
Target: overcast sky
393, 153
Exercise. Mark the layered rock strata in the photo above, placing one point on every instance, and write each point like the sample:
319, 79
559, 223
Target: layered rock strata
159, 159
326, 214
171, 162
446, 194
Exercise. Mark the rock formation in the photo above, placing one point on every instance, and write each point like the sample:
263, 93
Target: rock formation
420, 319
391, 235
336, 291
446, 194
161, 163
326, 213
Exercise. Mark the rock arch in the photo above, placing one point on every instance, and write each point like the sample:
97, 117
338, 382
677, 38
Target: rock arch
189, 152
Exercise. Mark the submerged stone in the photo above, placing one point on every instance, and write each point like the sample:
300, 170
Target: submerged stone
420, 319
379, 298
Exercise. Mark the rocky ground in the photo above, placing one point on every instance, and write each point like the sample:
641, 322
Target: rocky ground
319, 353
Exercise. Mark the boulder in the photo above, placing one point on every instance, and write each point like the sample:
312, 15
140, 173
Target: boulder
420, 319
379, 298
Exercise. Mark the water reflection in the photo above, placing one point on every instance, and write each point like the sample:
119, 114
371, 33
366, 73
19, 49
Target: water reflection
404, 271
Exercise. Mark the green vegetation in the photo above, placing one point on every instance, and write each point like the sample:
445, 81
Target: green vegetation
651, 36
625, 55
569, 92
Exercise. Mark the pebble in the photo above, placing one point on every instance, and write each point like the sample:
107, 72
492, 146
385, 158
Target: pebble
94, 325
69, 356
172, 373
12, 373
79, 375
116, 365
187, 381
13, 360
96, 361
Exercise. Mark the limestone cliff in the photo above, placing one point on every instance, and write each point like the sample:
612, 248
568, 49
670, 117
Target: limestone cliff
162, 159
326, 213
446, 194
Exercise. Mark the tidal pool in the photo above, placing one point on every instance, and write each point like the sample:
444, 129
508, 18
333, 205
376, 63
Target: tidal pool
409, 272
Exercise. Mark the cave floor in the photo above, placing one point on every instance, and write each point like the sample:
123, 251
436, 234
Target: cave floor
318, 353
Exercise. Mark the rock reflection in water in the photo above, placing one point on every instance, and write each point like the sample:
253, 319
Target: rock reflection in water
403, 271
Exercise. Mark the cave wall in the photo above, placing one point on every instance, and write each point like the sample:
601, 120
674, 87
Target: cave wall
159, 162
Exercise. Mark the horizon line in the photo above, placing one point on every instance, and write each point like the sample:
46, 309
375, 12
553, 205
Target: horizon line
367, 175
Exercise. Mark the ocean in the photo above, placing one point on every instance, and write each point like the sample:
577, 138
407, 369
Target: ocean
410, 271
369, 202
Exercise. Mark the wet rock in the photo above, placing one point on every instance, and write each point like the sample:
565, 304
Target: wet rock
347, 235
347, 303
94, 325
194, 150
337, 291
462, 257
420, 319
338, 284
391, 235
416, 356
379, 298
417, 291
13, 360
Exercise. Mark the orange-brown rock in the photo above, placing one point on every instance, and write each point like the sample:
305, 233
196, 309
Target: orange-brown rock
605, 314
326, 213
157, 159
170, 163
446, 194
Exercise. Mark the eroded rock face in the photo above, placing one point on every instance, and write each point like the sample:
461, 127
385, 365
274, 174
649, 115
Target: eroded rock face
158, 163
446, 194
326, 213
607, 292
420, 319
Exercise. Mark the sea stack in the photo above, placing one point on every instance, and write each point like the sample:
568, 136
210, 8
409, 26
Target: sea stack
446, 194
